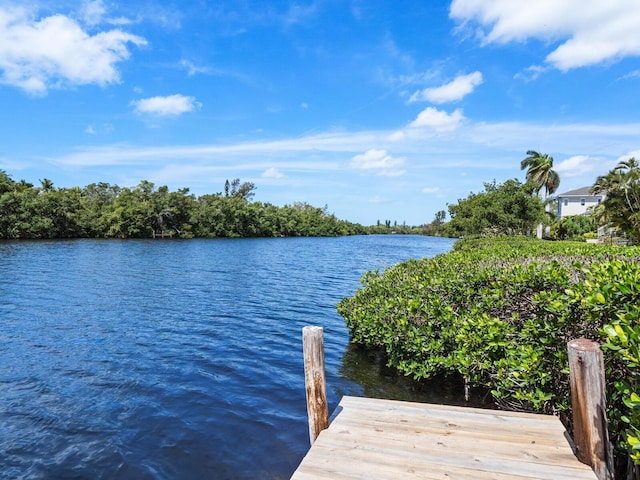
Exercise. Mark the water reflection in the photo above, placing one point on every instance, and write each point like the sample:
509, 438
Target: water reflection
368, 369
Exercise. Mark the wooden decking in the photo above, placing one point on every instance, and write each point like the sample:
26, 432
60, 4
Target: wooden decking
384, 439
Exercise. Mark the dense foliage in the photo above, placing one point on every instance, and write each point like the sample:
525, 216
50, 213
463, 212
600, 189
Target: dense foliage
101, 210
499, 313
621, 206
573, 227
502, 209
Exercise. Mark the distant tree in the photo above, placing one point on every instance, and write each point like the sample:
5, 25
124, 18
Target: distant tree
540, 171
46, 185
502, 209
102, 210
240, 190
439, 217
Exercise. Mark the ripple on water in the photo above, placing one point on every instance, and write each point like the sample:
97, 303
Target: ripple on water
154, 360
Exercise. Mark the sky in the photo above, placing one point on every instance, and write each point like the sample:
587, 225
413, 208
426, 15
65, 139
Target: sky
378, 110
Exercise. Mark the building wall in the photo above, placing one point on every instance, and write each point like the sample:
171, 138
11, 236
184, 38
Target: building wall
576, 205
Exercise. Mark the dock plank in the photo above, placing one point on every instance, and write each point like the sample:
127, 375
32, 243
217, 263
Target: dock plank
386, 439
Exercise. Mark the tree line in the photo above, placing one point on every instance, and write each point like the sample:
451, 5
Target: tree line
516, 208
102, 210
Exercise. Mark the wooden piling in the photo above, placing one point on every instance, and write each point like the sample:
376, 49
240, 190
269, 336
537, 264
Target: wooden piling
588, 402
315, 382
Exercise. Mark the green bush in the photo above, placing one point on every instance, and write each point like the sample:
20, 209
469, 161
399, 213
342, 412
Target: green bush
500, 311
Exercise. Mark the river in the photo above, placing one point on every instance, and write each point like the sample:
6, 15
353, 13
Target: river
173, 359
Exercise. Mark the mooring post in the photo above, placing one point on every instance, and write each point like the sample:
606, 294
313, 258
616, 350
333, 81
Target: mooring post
588, 401
315, 382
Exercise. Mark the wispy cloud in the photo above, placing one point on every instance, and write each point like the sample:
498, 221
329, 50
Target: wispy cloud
169, 106
531, 73
272, 173
609, 140
455, 90
93, 11
631, 75
193, 69
54, 52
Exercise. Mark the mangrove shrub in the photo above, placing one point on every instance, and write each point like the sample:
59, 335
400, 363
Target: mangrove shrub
499, 312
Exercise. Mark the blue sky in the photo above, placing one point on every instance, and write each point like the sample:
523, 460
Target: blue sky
377, 109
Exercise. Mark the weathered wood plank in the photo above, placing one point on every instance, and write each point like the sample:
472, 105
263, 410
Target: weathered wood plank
589, 405
394, 464
462, 442
315, 382
515, 431
383, 439
401, 456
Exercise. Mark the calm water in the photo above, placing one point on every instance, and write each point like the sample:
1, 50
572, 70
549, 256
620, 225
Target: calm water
176, 359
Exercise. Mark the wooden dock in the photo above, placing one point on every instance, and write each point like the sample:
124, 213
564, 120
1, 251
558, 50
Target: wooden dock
385, 439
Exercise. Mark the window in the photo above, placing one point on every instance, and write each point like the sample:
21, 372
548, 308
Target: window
582, 202
566, 202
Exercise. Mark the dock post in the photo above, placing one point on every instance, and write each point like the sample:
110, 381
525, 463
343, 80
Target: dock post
589, 405
315, 382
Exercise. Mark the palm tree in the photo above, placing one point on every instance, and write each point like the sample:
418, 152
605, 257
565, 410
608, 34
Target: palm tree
46, 185
621, 205
540, 171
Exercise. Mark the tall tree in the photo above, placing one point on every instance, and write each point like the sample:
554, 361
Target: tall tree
621, 206
239, 190
540, 171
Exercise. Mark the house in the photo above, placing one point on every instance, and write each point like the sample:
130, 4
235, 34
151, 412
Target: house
577, 202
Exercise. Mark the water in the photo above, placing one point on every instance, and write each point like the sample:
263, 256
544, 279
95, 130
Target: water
176, 359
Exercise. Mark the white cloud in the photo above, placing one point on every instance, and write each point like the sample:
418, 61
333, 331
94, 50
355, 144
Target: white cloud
93, 11
171, 105
273, 173
453, 91
380, 160
576, 166
590, 31
438, 120
634, 153
431, 190
55, 51
90, 130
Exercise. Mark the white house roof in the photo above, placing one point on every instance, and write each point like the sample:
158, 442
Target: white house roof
580, 192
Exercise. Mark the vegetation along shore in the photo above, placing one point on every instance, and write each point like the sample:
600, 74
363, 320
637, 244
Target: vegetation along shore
102, 210
498, 312
499, 309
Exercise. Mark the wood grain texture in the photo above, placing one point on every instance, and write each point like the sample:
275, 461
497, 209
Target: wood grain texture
315, 382
589, 406
386, 439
